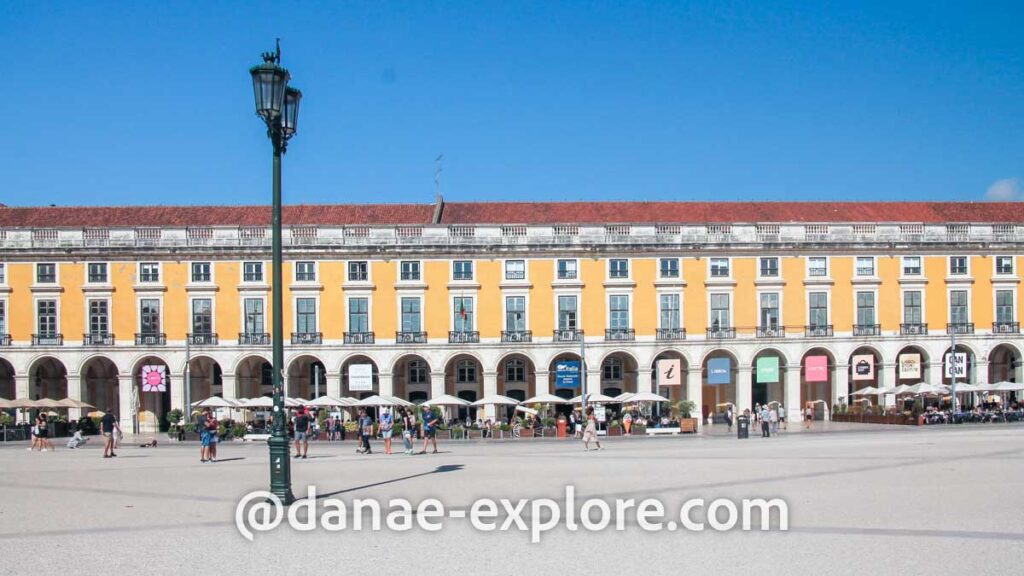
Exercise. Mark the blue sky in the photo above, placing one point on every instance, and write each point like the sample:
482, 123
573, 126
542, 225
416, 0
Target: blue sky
150, 102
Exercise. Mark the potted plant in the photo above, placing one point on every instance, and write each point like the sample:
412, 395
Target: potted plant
615, 428
475, 432
175, 433
639, 429
682, 410
550, 427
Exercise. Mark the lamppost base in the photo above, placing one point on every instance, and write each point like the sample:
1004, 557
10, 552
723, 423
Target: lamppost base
280, 469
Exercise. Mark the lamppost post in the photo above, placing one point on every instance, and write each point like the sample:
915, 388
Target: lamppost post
278, 105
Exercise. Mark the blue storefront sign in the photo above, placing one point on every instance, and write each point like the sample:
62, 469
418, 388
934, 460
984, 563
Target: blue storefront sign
719, 371
567, 374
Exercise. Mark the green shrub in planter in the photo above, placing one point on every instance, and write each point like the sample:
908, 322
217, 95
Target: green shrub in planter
638, 429
174, 416
505, 427
5, 419
614, 424
239, 430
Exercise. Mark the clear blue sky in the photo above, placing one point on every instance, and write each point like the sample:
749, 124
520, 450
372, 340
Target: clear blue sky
151, 102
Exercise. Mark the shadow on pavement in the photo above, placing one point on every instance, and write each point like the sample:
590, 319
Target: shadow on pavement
439, 470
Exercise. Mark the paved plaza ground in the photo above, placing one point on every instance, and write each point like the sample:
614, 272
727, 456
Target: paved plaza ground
862, 498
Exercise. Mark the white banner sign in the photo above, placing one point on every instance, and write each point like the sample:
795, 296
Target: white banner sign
360, 377
957, 365
599, 412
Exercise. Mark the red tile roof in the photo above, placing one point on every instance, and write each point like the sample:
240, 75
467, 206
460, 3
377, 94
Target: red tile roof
518, 213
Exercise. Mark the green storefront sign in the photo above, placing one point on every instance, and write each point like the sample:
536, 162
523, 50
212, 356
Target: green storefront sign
768, 370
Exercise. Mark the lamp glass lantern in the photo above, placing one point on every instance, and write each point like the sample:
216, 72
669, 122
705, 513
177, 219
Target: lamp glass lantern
290, 115
269, 82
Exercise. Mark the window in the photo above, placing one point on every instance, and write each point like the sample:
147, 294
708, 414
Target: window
254, 316
463, 306
149, 316
958, 307
358, 315
462, 270
958, 265
515, 313
201, 272
3, 273
567, 313
566, 269
818, 309
97, 272
865, 266
3, 317
515, 270
305, 315
1004, 265
770, 310
1004, 307
358, 271
618, 311
515, 370
465, 371
411, 315
865, 308
912, 307
719, 267
669, 267
99, 320
46, 317
618, 268
911, 265
817, 266
252, 271
769, 267
46, 273
410, 270
149, 272
202, 316
305, 271
720, 312
418, 372
612, 369
669, 304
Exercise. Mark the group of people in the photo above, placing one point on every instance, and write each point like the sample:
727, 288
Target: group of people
209, 436
771, 417
109, 427
304, 421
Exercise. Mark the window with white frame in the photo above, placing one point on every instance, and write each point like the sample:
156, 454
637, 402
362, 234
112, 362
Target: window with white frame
465, 371
567, 270
515, 270
462, 270
359, 315
769, 267
305, 315
305, 271
358, 271
817, 266
515, 370
669, 267
46, 273
252, 271
719, 267
612, 368
618, 311
618, 268
912, 310
567, 313
46, 318
418, 372
817, 311
959, 313
410, 271
958, 265
99, 317
865, 266
769, 310
149, 316
720, 312
865, 308
1004, 265
1004, 307
463, 307
96, 272
515, 313
669, 311
411, 318
149, 272
202, 316
911, 265
254, 320
201, 272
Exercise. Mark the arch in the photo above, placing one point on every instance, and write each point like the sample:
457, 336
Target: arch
773, 388
464, 378
673, 393
619, 372
715, 395
667, 350
374, 371
1004, 364
405, 357
89, 358
553, 384
903, 374
454, 355
302, 370
768, 348
728, 350
972, 361
48, 378
153, 406
237, 365
99, 382
410, 377
137, 362
816, 386
205, 378
8, 389
562, 353
860, 374
254, 376
517, 373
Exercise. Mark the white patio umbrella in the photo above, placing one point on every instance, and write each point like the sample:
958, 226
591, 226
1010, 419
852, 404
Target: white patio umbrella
901, 389
71, 403
400, 401
215, 402
546, 399
261, 402
624, 397
23, 403
446, 400
647, 397
593, 399
496, 399
377, 400
290, 402
924, 388
6, 404
526, 410
1005, 386
47, 403
869, 391
965, 387
327, 402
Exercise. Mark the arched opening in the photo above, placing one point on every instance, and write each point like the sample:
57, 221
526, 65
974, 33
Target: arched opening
912, 366
100, 386
718, 381
817, 373
463, 378
517, 379
307, 378
48, 378
7, 387
153, 403
961, 365
669, 372
359, 377
564, 363
410, 379
618, 374
769, 377
206, 378
1004, 365
254, 377
865, 368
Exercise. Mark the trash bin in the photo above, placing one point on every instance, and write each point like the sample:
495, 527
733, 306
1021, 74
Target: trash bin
742, 427
562, 423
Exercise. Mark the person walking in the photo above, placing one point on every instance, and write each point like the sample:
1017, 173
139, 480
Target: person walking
213, 429
365, 431
387, 425
590, 432
782, 417
339, 428
109, 427
204, 436
408, 424
766, 420
302, 426
44, 433
728, 417
429, 430
773, 415
808, 415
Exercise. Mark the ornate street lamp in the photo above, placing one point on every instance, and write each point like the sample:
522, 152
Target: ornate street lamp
278, 105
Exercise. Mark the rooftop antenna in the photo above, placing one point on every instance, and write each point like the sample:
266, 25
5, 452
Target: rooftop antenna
437, 175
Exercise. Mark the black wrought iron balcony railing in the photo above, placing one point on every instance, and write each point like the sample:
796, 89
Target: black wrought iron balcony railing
818, 331
669, 334
867, 330
5, 339
516, 335
410, 337
307, 337
771, 331
254, 338
913, 329
515, 275
463, 337
567, 275
98, 339
1006, 327
202, 339
721, 333
359, 338
960, 328
567, 335
150, 339
620, 334
51, 339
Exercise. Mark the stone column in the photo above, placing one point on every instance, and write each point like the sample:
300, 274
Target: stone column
644, 381
228, 389
436, 384
593, 381
125, 415
490, 388
695, 393
840, 385
744, 389
792, 393
542, 382
386, 384
22, 389
333, 384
